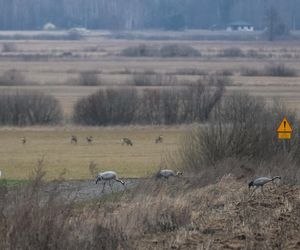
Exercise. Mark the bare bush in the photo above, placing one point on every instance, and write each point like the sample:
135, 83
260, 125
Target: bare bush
241, 127
225, 72
89, 78
192, 103
168, 50
106, 107
12, 77
279, 70
178, 50
31, 218
275, 70
251, 72
191, 71
9, 47
140, 50
25, 108
153, 79
232, 52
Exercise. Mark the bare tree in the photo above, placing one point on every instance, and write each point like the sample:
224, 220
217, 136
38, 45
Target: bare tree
274, 24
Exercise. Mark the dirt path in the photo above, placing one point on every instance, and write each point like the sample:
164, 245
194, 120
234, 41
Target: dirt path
83, 190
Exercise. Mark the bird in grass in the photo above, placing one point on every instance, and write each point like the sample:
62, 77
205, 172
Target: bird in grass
261, 181
108, 176
23, 140
166, 173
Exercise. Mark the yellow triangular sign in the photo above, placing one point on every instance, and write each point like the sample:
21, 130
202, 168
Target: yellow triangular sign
285, 126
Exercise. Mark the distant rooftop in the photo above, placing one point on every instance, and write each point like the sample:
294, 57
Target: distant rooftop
239, 23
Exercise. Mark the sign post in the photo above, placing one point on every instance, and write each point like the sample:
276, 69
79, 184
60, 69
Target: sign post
284, 132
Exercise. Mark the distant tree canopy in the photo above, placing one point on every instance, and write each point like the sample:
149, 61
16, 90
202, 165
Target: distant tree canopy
140, 14
275, 27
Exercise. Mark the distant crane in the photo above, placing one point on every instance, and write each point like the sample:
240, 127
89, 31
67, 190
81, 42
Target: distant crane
126, 141
74, 139
108, 176
166, 173
89, 139
23, 140
261, 181
0, 173
159, 139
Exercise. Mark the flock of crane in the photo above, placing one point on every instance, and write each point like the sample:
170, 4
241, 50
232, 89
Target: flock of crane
109, 176
90, 139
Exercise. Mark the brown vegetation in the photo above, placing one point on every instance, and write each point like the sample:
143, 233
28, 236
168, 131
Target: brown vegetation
242, 128
172, 214
168, 50
188, 104
24, 108
12, 77
274, 70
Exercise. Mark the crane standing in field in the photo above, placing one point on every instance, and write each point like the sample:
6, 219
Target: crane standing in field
159, 139
126, 141
108, 176
89, 139
23, 140
166, 173
261, 181
74, 139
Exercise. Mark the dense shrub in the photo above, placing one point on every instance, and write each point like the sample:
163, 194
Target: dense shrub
178, 50
29, 108
89, 78
168, 50
9, 47
152, 79
12, 77
232, 52
241, 127
140, 50
188, 104
105, 107
279, 70
275, 70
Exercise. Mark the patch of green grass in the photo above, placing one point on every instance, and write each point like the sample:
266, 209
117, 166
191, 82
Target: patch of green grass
13, 182
18, 161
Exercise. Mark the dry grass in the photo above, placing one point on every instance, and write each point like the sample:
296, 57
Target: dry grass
17, 161
173, 214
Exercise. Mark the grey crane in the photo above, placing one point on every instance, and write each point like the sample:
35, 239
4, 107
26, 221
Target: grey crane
261, 181
159, 139
74, 139
126, 141
166, 173
89, 139
108, 176
23, 140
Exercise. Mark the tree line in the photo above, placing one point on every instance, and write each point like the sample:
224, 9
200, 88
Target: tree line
142, 14
116, 106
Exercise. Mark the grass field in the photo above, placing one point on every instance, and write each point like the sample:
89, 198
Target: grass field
18, 161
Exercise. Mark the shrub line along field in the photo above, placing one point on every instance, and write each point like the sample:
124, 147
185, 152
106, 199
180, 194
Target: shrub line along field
53, 145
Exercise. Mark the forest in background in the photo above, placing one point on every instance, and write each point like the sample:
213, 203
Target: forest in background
142, 14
